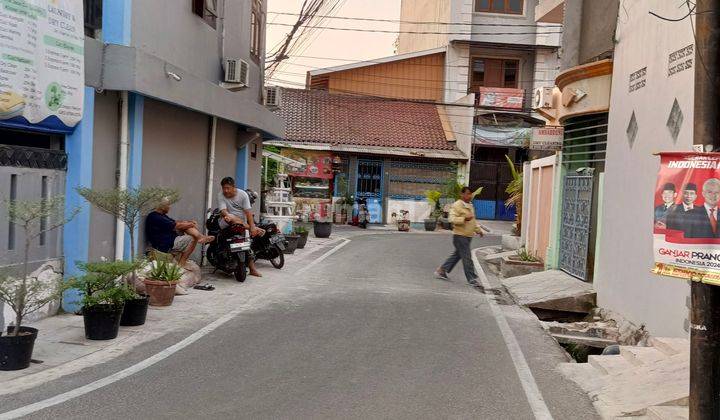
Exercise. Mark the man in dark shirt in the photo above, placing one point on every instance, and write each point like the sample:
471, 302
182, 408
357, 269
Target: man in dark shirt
167, 235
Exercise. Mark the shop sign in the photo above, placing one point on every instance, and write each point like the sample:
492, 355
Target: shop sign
317, 164
494, 97
547, 138
685, 212
41, 63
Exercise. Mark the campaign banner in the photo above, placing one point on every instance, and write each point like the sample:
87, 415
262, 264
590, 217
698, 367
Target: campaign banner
317, 164
41, 63
686, 228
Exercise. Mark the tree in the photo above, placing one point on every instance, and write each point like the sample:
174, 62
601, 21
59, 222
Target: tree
25, 294
129, 205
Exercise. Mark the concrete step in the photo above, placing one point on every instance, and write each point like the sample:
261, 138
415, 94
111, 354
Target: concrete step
642, 356
610, 365
585, 375
496, 258
663, 412
670, 346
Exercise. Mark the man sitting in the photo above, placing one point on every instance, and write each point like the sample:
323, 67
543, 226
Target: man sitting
234, 205
170, 236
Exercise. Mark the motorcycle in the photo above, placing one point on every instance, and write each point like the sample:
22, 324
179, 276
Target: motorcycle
270, 245
231, 250
363, 213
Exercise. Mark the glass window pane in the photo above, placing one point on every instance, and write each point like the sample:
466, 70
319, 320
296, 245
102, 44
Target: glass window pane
498, 6
515, 6
510, 78
511, 64
478, 71
482, 5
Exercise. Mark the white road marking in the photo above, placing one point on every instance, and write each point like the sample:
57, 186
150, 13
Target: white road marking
532, 392
93, 386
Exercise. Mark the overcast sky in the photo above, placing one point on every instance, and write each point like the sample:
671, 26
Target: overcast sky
334, 44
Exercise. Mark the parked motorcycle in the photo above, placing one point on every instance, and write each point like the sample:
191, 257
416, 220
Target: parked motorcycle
270, 245
363, 213
231, 250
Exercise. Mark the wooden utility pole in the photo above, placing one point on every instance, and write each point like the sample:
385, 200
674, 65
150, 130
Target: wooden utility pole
705, 312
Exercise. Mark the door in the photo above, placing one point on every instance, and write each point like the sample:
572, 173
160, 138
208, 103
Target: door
577, 203
369, 186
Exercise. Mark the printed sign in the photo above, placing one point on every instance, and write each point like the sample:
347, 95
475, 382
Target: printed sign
317, 164
501, 97
686, 228
546, 138
41, 63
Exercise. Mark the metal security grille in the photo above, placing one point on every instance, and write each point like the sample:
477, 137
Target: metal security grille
585, 141
32, 157
410, 180
369, 179
575, 228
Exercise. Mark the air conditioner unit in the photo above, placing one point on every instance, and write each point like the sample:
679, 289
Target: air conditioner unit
211, 7
272, 96
237, 72
543, 97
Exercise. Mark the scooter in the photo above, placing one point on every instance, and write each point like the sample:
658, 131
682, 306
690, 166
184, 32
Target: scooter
231, 250
363, 213
270, 245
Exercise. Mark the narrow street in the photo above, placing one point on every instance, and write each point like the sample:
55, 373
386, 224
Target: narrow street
366, 333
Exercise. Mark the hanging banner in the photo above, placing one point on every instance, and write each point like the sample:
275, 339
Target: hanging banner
502, 136
41, 63
686, 227
317, 164
546, 138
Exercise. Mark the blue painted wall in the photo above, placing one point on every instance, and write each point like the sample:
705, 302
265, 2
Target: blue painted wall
76, 234
136, 108
241, 176
117, 21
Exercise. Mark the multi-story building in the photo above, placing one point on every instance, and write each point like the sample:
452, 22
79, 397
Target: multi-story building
496, 55
172, 97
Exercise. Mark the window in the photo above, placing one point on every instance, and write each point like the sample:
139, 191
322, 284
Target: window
256, 29
514, 7
207, 10
493, 72
93, 17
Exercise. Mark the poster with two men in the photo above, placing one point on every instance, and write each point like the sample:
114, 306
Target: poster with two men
686, 227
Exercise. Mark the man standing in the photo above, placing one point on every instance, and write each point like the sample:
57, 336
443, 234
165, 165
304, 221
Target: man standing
235, 207
167, 235
706, 218
465, 227
668, 196
679, 217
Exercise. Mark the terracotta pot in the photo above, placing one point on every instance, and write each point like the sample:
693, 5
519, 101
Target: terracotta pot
161, 292
403, 225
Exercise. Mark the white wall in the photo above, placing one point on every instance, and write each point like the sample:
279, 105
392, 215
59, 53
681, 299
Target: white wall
419, 210
623, 280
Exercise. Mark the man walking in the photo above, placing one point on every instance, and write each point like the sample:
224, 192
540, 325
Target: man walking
462, 217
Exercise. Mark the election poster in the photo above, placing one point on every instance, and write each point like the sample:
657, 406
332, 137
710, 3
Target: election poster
685, 213
41, 63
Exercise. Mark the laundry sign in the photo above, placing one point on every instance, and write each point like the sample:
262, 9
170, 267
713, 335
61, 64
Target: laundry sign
546, 138
41, 63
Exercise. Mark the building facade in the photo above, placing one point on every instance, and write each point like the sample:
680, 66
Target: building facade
159, 110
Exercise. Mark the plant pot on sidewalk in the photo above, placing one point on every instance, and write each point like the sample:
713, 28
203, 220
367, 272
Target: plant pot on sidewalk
16, 352
430, 225
303, 239
291, 243
403, 225
102, 322
160, 292
135, 312
322, 229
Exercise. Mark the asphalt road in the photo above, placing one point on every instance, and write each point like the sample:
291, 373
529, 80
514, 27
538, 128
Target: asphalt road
367, 333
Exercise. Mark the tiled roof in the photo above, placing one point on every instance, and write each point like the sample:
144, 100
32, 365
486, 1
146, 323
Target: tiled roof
315, 116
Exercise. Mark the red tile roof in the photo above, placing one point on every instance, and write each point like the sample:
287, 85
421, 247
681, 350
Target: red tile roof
316, 116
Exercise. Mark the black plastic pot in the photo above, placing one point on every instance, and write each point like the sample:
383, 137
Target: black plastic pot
135, 312
303, 240
16, 352
322, 229
430, 225
446, 224
102, 322
291, 243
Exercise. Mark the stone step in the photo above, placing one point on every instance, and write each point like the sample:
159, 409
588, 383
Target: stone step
496, 258
610, 365
671, 346
585, 375
667, 412
641, 356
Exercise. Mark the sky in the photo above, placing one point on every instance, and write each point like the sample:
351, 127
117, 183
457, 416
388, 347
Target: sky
333, 44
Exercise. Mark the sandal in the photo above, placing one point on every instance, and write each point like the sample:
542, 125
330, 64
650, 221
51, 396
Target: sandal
205, 286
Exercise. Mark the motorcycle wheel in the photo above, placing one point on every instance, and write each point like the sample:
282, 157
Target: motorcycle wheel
240, 271
279, 261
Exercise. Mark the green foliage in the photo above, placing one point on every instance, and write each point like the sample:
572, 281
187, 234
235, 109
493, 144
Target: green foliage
129, 205
527, 256
452, 189
515, 192
29, 295
433, 198
103, 284
299, 230
477, 192
164, 268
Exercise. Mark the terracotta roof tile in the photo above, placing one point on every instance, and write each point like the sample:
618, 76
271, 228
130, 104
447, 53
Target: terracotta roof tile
315, 116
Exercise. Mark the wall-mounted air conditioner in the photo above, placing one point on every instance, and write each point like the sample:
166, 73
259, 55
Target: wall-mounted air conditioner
272, 96
542, 99
237, 72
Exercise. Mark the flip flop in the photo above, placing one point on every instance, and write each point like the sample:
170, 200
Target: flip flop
205, 286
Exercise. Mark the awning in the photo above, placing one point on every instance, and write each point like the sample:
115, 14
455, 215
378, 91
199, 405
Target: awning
284, 160
456, 155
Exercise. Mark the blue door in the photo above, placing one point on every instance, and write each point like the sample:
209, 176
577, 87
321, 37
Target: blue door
370, 186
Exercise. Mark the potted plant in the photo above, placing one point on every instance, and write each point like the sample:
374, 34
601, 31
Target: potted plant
104, 294
23, 292
135, 309
162, 279
403, 223
322, 226
433, 198
291, 243
303, 233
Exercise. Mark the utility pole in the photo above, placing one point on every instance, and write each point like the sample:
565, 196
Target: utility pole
705, 312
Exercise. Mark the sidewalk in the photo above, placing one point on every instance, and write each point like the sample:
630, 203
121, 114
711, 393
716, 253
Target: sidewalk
63, 349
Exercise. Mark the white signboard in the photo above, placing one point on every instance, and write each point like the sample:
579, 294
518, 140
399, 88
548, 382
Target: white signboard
546, 138
41, 62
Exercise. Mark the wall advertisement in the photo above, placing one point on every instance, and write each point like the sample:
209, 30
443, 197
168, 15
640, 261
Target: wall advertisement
317, 164
41, 64
686, 229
